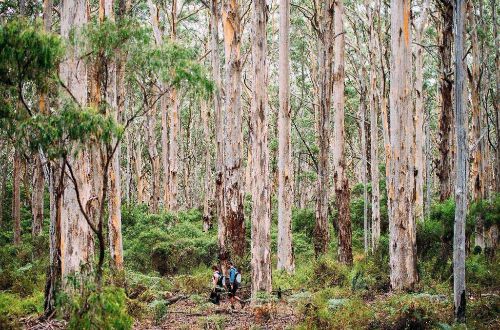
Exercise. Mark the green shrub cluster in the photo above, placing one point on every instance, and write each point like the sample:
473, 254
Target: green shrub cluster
166, 243
98, 309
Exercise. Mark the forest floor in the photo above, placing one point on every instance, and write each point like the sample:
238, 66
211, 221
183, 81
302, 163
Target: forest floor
191, 314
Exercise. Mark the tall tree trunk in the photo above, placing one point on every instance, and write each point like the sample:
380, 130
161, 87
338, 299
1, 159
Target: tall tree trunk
219, 134
496, 104
375, 223
477, 168
325, 57
38, 175
174, 126
342, 192
261, 208
76, 242
459, 294
285, 170
207, 196
419, 113
114, 98
37, 197
446, 87
364, 161
3, 182
402, 245
16, 197
233, 193
141, 198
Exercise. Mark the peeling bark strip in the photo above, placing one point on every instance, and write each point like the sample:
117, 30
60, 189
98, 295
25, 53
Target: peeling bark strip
285, 170
342, 191
325, 57
402, 246
261, 208
233, 193
77, 243
459, 294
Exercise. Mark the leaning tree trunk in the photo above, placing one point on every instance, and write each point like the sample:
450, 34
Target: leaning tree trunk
325, 57
342, 192
261, 208
285, 170
459, 294
37, 197
233, 194
446, 115
76, 241
402, 245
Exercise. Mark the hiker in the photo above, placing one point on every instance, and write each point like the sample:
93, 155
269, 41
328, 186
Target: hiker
218, 285
234, 284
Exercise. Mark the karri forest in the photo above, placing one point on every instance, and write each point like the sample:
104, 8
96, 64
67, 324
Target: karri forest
249, 164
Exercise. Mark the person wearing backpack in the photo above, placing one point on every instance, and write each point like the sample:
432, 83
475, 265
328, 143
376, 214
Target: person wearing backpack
218, 285
234, 284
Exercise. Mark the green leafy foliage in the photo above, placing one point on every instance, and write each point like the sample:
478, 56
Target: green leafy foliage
99, 309
27, 53
166, 243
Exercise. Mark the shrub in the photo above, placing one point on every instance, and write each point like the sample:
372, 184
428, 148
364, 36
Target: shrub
412, 311
327, 273
94, 309
303, 221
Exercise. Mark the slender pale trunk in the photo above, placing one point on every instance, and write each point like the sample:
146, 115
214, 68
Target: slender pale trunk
418, 117
382, 93
16, 198
364, 161
76, 242
141, 198
37, 197
372, 101
174, 126
446, 115
219, 133
114, 99
261, 208
428, 167
38, 175
207, 198
342, 191
285, 170
128, 171
402, 245
325, 57
459, 294
233, 193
